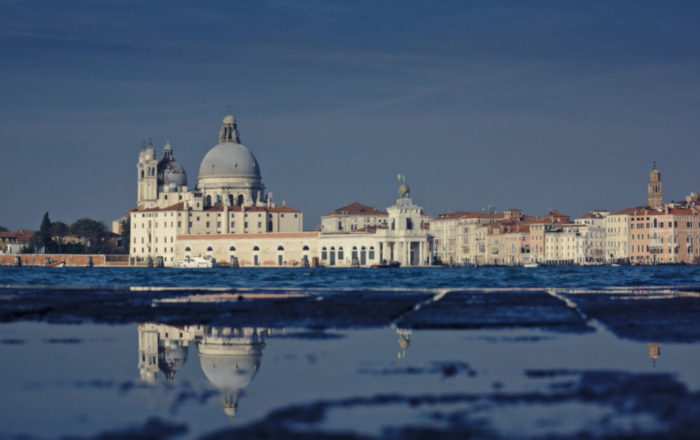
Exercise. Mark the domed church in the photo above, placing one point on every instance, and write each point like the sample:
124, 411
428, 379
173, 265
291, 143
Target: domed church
228, 218
229, 199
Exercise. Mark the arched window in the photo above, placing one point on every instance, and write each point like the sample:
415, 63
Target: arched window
208, 201
409, 224
371, 252
324, 253
255, 248
187, 249
354, 253
142, 174
241, 199
305, 248
232, 249
363, 255
280, 248
209, 249
230, 199
341, 255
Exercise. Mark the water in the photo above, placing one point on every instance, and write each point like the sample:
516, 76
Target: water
507, 377
484, 277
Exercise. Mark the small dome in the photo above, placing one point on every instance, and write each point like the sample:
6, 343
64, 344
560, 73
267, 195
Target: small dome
169, 171
172, 172
171, 359
229, 160
404, 189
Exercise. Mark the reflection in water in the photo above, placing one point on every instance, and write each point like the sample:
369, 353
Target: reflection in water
229, 357
654, 351
404, 341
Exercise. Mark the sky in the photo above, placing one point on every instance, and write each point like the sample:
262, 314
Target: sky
537, 105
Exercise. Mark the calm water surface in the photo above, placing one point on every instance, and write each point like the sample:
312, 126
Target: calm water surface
59, 379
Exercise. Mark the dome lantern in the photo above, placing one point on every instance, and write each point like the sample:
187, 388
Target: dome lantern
229, 130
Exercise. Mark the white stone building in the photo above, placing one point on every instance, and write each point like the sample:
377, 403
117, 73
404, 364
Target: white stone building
403, 237
229, 199
229, 218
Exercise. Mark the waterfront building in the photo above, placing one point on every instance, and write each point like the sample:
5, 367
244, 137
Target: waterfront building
228, 200
460, 238
617, 238
14, 242
402, 237
353, 217
593, 235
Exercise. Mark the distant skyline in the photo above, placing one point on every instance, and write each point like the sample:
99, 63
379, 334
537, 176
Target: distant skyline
536, 105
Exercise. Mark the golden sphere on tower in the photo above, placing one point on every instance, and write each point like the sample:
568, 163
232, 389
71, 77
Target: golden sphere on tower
404, 189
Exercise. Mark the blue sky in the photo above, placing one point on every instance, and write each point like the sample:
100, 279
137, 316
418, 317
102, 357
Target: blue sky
535, 105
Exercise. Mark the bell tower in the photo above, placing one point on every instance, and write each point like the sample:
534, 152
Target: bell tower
147, 178
655, 189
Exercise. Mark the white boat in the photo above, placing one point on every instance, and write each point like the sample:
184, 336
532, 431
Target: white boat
531, 265
196, 262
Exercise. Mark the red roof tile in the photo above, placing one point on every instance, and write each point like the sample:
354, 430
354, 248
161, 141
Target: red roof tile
357, 208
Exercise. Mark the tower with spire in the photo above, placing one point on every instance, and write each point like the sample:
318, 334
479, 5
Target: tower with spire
655, 189
147, 175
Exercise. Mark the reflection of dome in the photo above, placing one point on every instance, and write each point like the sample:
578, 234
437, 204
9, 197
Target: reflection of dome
229, 160
230, 372
230, 359
171, 358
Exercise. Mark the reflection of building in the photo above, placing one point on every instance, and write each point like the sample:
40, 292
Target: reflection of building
229, 357
404, 341
654, 351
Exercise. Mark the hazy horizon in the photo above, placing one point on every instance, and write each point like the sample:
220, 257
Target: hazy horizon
544, 105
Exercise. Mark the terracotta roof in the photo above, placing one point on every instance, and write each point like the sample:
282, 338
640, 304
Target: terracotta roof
593, 215
627, 211
176, 207
681, 211
19, 236
356, 208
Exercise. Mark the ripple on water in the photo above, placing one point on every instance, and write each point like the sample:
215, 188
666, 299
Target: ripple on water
460, 277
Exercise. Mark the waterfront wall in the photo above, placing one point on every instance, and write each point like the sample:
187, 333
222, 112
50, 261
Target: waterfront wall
73, 260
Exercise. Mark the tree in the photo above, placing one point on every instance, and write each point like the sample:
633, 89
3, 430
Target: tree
3, 229
59, 230
34, 244
92, 233
126, 233
45, 232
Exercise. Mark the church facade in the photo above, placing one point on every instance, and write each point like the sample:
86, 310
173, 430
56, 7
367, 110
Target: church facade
227, 216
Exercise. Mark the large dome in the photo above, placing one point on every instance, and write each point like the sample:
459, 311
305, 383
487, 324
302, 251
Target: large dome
229, 159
